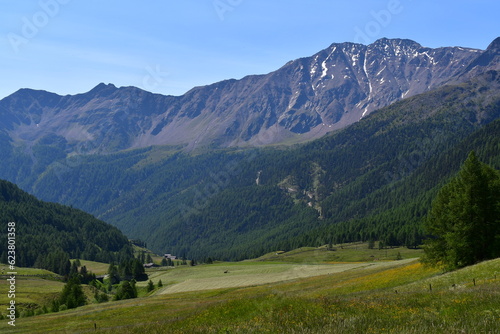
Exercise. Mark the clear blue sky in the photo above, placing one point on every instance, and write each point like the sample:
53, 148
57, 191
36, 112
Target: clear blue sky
170, 46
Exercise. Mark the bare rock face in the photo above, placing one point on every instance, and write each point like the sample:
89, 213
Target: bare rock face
303, 100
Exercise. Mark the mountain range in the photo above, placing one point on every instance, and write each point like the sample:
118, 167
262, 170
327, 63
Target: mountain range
196, 175
303, 100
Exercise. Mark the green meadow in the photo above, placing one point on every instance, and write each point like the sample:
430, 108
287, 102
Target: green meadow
229, 275
294, 295
97, 268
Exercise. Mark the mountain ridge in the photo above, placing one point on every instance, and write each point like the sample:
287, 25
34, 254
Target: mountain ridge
304, 99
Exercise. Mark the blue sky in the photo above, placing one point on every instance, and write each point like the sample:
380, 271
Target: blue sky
170, 46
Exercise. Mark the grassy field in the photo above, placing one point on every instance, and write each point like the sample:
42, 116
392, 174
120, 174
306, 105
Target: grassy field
33, 287
231, 275
371, 297
97, 268
30, 291
277, 267
352, 252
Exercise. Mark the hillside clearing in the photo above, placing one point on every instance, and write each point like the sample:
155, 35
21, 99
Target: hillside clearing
98, 268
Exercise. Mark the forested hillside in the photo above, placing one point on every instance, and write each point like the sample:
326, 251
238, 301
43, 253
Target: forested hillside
372, 180
47, 235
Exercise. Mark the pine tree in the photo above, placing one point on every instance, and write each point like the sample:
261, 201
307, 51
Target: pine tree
114, 277
55, 305
138, 272
73, 269
465, 218
126, 290
72, 295
151, 286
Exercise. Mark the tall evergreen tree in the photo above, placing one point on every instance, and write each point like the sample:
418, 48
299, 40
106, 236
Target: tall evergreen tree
138, 272
126, 290
74, 269
114, 276
72, 295
465, 218
151, 286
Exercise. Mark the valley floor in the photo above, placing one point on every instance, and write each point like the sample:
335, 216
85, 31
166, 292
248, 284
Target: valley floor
364, 297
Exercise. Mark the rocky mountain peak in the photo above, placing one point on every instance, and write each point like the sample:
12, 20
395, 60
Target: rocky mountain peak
487, 60
103, 89
494, 46
394, 43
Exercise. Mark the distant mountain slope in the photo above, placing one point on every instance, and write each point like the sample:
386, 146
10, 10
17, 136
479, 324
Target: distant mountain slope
304, 99
48, 234
373, 179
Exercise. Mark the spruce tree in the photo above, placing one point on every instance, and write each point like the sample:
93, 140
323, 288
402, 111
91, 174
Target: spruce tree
126, 290
73, 269
72, 295
114, 277
151, 286
464, 220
